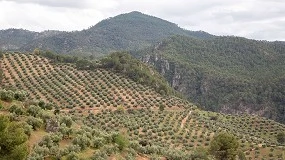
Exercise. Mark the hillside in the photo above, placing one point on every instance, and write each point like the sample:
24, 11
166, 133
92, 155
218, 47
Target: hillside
78, 88
130, 31
15, 39
226, 74
102, 114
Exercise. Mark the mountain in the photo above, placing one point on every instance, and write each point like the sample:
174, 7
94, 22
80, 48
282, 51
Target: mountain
130, 31
225, 74
60, 110
15, 39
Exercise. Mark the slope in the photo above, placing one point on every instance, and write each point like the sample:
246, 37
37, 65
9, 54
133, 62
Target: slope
15, 39
130, 31
96, 105
93, 106
228, 74
68, 87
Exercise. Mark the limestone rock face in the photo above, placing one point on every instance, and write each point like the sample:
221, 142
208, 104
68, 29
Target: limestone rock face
198, 87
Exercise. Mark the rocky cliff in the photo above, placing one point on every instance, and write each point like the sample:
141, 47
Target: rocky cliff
226, 74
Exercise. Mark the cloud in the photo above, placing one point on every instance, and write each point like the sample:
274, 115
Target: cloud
55, 3
258, 19
33, 16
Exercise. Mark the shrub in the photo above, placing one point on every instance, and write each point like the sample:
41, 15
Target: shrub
98, 142
7, 95
120, 109
27, 128
214, 117
200, 153
12, 138
161, 107
34, 110
66, 120
72, 156
100, 155
20, 95
82, 140
280, 137
34, 122
19, 111
122, 141
41, 104
224, 146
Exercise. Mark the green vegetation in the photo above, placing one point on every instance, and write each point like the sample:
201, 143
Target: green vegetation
122, 141
119, 62
12, 140
281, 137
13, 39
67, 86
123, 63
9, 95
70, 113
227, 74
131, 31
68, 107
224, 146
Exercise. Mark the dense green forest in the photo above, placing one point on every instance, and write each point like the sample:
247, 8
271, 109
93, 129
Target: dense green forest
130, 31
134, 69
229, 74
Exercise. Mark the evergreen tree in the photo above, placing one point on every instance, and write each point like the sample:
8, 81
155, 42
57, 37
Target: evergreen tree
12, 140
224, 146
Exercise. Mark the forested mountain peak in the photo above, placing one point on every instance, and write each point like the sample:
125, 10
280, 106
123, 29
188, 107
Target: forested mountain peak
129, 31
134, 18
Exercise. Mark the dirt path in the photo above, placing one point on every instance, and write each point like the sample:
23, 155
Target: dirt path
185, 119
36, 137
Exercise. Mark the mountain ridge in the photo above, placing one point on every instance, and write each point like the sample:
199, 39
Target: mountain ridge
228, 74
129, 31
242, 63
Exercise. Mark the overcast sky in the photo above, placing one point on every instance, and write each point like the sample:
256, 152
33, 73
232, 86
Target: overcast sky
256, 19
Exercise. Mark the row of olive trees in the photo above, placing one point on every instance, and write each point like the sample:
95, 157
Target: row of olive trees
9, 95
81, 139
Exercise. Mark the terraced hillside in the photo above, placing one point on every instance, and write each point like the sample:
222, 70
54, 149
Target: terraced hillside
100, 102
70, 88
192, 128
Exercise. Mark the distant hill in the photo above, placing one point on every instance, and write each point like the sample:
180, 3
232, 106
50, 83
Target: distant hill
16, 39
130, 31
227, 74
119, 108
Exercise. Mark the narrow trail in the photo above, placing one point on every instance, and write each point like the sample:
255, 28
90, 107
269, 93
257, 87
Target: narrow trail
185, 119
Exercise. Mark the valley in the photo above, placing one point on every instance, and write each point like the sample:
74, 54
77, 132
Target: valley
135, 86
103, 103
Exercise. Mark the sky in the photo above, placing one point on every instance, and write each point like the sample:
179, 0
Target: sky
254, 19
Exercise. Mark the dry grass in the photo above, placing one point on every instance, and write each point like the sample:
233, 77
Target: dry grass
36, 137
